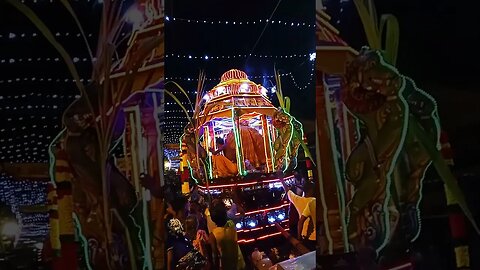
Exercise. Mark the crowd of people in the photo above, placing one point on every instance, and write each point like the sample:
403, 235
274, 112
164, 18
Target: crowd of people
201, 237
201, 234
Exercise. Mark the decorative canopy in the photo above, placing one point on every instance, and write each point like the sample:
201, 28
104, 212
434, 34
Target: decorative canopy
235, 92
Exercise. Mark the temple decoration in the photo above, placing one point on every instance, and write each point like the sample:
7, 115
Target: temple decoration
400, 140
234, 147
373, 123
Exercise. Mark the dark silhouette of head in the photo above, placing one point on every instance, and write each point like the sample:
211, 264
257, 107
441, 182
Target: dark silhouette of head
218, 213
191, 226
178, 205
219, 141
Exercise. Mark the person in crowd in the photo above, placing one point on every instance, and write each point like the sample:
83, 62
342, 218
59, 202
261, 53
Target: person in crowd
197, 210
178, 245
308, 219
236, 210
226, 252
198, 237
293, 215
177, 208
301, 203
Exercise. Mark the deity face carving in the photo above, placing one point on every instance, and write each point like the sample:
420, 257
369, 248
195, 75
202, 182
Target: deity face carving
370, 81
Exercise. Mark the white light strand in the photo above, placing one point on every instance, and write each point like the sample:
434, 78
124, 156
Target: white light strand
241, 23
310, 79
54, 96
41, 59
36, 79
11, 35
217, 79
234, 56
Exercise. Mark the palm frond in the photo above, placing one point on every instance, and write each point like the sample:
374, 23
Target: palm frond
278, 92
183, 92
307, 152
389, 25
287, 104
369, 25
180, 104
444, 172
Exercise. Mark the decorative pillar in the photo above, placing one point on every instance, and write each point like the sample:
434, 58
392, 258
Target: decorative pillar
329, 191
267, 142
238, 142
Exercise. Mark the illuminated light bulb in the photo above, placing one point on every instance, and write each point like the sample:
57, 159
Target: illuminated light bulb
252, 224
221, 90
134, 17
281, 216
271, 219
244, 87
264, 91
274, 89
206, 97
238, 225
167, 18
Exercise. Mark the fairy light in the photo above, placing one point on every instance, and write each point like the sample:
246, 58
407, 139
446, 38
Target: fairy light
216, 79
259, 22
42, 79
25, 192
241, 56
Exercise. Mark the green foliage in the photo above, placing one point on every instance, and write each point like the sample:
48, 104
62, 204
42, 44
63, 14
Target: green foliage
389, 28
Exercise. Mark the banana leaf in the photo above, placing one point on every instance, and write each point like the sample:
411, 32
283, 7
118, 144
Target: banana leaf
307, 152
287, 104
389, 26
369, 24
444, 172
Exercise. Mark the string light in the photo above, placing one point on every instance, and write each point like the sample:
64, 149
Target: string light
310, 79
41, 59
217, 79
235, 56
241, 23
24, 192
57, 34
66, 80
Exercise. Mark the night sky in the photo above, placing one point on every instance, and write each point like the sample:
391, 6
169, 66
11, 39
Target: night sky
438, 42
35, 85
204, 39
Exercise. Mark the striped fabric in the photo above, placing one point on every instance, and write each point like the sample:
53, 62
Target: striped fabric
63, 177
60, 202
53, 217
455, 214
